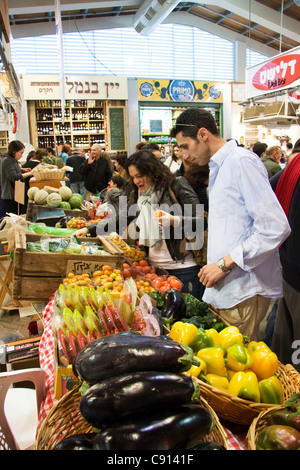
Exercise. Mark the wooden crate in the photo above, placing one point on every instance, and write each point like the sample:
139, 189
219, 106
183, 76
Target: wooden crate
32, 210
36, 276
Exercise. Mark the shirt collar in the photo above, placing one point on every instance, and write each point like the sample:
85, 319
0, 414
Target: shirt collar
219, 157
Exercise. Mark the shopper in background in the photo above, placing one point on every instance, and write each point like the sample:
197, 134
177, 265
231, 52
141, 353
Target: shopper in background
120, 165
295, 151
10, 173
286, 334
272, 159
96, 172
65, 151
152, 183
109, 159
75, 160
174, 161
260, 149
246, 224
154, 148
114, 192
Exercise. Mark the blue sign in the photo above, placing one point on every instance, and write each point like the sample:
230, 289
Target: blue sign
181, 90
146, 89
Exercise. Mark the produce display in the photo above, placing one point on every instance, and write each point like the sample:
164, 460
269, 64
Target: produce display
135, 396
228, 363
130, 252
62, 197
68, 244
281, 429
85, 311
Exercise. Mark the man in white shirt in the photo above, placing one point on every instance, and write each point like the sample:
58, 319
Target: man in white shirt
246, 224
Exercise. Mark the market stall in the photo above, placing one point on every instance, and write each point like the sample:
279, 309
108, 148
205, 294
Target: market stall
101, 303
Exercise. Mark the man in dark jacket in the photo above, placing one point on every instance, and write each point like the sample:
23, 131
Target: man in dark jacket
96, 172
75, 161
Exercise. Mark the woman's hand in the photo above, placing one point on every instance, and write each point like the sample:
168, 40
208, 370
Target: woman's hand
165, 219
82, 232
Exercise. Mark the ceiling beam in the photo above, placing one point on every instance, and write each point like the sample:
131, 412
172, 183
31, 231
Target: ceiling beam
261, 14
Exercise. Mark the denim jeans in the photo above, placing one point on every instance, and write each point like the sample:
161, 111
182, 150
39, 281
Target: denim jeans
78, 187
190, 280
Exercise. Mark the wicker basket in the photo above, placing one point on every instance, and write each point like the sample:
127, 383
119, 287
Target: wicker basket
45, 175
257, 425
65, 419
241, 411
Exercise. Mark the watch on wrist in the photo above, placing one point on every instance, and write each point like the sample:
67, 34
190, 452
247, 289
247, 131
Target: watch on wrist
221, 264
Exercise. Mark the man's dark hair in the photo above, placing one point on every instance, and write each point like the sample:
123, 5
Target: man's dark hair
259, 148
191, 120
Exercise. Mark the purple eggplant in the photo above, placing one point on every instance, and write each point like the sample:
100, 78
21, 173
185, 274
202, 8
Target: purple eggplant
130, 351
115, 398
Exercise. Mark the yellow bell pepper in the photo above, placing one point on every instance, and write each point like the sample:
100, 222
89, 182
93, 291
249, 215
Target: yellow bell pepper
239, 357
245, 385
195, 371
205, 339
256, 345
230, 373
229, 336
217, 381
214, 360
265, 363
271, 391
183, 333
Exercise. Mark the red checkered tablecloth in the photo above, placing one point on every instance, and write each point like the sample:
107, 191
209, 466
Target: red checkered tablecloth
46, 355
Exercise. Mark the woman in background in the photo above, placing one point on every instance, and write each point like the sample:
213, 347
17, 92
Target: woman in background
174, 161
10, 173
162, 235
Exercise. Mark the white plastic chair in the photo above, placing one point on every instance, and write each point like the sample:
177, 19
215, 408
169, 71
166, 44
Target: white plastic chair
19, 408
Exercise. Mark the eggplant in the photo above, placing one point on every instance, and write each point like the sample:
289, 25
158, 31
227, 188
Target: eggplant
174, 306
278, 437
168, 429
285, 417
76, 442
128, 351
118, 397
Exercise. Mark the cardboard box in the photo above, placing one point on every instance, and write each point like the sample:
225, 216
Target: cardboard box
37, 275
65, 380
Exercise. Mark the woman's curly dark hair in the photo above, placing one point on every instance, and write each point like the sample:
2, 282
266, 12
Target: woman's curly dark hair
149, 165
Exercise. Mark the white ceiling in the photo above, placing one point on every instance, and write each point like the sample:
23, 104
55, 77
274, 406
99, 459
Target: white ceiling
267, 26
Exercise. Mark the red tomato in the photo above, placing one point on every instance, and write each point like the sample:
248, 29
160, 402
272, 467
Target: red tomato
175, 284
146, 270
126, 273
143, 262
126, 266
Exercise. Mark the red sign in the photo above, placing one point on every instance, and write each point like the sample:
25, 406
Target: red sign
278, 73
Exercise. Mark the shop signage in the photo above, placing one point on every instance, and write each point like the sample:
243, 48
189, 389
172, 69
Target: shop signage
278, 73
81, 87
179, 90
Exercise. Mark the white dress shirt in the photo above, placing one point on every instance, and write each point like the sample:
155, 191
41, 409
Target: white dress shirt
247, 222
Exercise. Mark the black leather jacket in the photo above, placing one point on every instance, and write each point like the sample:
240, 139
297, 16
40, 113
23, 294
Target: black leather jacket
186, 196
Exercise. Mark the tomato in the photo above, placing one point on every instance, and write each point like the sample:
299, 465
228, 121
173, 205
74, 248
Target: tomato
143, 262
164, 287
126, 273
171, 278
146, 270
126, 266
176, 284
157, 282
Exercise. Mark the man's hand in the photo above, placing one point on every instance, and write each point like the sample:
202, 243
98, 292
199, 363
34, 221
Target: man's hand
210, 274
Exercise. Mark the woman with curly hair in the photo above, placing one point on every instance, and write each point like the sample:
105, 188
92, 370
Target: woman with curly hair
166, 217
